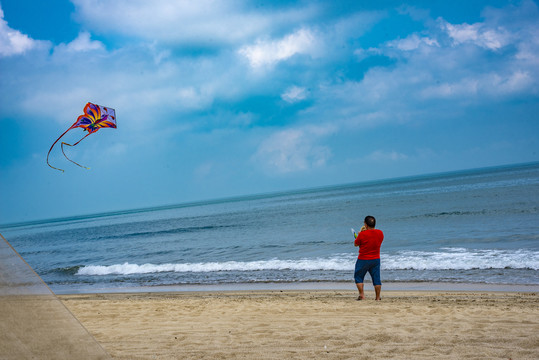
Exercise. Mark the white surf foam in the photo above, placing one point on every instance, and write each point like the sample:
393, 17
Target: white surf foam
463, 259
335, 263
448, 259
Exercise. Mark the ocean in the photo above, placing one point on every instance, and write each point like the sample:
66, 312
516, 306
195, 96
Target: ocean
474, 226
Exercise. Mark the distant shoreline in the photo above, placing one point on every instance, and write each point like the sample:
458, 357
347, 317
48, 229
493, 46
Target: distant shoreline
387, 286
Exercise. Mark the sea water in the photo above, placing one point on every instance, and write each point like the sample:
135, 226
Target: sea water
475, 226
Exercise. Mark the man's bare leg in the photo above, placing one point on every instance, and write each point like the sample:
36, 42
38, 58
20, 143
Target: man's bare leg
377, 290
360, 289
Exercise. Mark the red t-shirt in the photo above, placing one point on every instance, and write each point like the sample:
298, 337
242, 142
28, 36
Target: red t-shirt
369, 242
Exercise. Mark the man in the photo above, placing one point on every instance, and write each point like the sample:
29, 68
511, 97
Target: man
369, 241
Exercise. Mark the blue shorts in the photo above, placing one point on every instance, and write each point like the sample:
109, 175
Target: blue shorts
372, 266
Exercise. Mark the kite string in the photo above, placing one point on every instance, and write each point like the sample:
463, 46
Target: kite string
64, 143
54, 143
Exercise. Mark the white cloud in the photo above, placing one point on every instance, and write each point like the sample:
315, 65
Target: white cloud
460, 62
13, 42
519, 81
206, 22
413, 42
83, 42
491, 84
152, 85
478, 34
267, 53
294, 94
130, 79
529, 51
462, 87
294, 150
191, 98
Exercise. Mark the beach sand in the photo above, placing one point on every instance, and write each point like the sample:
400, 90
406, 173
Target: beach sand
316, 324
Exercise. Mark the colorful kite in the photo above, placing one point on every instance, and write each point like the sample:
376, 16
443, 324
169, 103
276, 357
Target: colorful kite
94, 118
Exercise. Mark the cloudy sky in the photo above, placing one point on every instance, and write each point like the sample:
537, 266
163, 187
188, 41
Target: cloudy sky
225, 98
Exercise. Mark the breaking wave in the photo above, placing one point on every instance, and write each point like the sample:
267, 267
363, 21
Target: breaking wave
448, 259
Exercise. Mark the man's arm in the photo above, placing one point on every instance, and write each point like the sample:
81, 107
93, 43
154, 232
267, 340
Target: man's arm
356, 241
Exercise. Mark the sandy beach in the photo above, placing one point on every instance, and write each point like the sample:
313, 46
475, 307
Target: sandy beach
305, 324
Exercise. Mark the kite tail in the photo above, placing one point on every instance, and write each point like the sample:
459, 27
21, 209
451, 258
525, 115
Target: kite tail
64, 143
54, 143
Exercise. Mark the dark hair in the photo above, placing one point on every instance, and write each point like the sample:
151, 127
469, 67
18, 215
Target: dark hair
370, 221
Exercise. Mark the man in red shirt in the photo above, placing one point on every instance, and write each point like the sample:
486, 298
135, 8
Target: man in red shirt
369, 241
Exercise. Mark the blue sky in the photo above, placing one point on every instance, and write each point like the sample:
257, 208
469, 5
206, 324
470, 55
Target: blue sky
219, 99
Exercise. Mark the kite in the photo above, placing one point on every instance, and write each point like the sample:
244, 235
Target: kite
94, 118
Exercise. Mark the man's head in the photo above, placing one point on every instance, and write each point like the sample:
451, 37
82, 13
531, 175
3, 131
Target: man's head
370, 221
